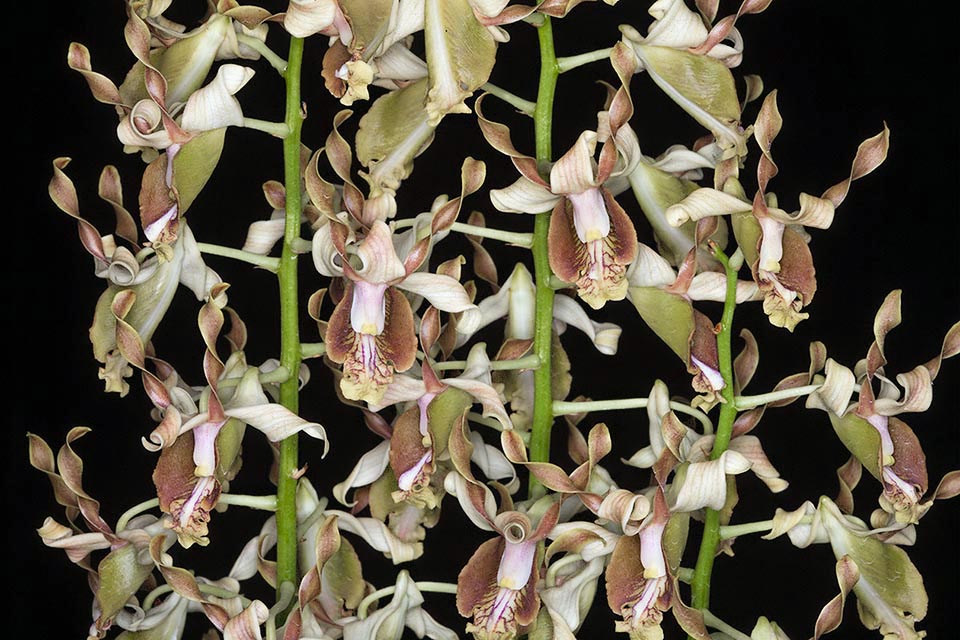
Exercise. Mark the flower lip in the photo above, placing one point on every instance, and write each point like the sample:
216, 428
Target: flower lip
368, 307
590, 217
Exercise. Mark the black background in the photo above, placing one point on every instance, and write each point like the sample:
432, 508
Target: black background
841, 70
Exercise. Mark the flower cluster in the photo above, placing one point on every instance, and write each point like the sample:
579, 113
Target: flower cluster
459, 372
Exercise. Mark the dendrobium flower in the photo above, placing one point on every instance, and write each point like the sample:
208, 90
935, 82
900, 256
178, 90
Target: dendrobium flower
772, 240
699, 481
371, 332
171, 65
664, 299
498, 586
879, 441
592, 240
141, 282
637, 578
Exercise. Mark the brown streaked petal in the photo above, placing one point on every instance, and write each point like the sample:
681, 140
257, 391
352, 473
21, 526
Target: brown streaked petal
788, 291
479, 575
411, 458
64, 195
745, 364
624, 575
498, 136
398, 340
848, 574
910, 462
158, 203
340, 336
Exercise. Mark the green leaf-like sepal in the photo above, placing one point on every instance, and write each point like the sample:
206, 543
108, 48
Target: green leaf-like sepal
120, 577
861, 439
443, 413
392, 133
703, 87
668, 315
194, 164
460, 56
890, 592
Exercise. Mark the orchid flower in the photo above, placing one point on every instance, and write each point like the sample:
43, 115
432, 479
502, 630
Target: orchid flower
699, 481
171, 65
664, 299
122, 571
864, 563
371, 331
140, 281
690, 65
515, 302
879, 441
406, 473
498, 586
772, 240
592, 240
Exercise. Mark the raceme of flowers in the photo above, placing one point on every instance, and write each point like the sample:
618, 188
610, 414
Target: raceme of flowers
438, 356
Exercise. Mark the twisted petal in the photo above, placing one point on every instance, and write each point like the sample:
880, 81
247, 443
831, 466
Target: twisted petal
215, 106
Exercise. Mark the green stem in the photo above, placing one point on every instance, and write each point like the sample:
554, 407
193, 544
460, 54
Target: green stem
510, 237
572, 62
543, 321
290, 326
583, 406
280, 374
268, 54
762, 526
264, 503
525, 106
430, 587
134, 511
208, 589
276, 129
700, 598
266, 262
527, 362
749, 402
713, 621
312, 349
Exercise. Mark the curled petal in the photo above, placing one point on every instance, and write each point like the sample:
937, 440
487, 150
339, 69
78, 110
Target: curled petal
524, 196
369, 468
214, 106
446, 294
605, 336
704, 483
381, 264
574, 172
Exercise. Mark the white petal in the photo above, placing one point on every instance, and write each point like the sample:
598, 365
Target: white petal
446, 294
368, 469
650, 269
214, 106
523, 196
575, 171
378, 536
605, 336
704, 203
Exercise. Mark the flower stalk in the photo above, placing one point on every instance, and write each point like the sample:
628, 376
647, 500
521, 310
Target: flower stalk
700, 598
264, 262
572, 62
561, 408
290, 355
543, 322
428, 586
